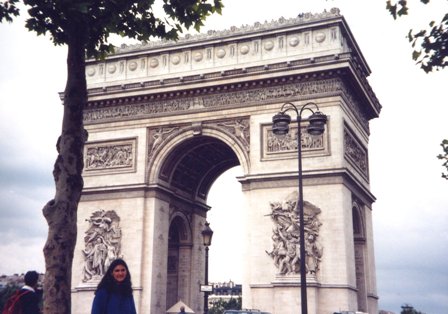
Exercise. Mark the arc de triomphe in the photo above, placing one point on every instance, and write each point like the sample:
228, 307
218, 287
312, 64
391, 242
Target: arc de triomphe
165, 119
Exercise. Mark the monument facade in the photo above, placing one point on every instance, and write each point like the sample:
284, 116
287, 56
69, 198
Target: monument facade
165, 119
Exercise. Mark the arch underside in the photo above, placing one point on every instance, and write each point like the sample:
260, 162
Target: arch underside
193, 165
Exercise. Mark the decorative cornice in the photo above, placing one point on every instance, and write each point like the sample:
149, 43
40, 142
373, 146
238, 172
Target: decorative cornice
301, 19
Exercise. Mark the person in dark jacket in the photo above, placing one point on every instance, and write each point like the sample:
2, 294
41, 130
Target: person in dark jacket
29, 301
114, 292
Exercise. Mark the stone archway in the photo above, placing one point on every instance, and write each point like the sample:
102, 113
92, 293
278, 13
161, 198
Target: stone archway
189, 168
194, 164
166, 119
179, 257
359, 238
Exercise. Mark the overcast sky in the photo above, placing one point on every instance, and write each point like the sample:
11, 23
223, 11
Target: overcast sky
410, 214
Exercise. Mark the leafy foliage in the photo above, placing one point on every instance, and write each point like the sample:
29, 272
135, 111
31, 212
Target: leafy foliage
8, 10
444, 157
85, 26
409, 309
221, 305
432, 53
94, 21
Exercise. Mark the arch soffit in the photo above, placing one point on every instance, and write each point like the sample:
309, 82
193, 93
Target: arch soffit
163, 152
358, 220
182, 225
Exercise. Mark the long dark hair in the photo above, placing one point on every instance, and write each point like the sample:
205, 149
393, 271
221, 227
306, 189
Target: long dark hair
109, 283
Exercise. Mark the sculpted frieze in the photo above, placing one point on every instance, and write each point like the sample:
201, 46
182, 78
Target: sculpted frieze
102, 243
355, 153
226, 98
286, 236
116, 155
275, 147
288, 143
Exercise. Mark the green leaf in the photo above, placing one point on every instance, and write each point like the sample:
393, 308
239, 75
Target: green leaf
416, 54
392, 9
410, 36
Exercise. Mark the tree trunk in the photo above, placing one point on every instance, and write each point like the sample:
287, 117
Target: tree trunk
61, 212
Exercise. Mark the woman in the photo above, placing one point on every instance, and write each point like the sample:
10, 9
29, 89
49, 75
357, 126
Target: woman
114, 292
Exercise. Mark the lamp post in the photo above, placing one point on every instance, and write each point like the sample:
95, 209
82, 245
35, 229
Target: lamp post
316, 126
207, 234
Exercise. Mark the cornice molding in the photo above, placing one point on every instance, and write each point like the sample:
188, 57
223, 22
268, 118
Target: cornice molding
244, 30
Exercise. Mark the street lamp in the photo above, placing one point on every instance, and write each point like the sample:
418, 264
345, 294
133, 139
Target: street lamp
207, 234
316, 126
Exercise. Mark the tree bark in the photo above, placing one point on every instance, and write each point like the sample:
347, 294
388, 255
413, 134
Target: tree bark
61, 212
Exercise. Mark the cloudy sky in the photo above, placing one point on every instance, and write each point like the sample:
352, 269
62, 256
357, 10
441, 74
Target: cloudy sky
411, 211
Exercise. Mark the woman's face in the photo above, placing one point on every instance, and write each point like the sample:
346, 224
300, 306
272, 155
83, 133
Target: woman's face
119, 273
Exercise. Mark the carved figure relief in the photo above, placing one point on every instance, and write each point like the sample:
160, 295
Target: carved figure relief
286, 236
102, 243
355, 152
289, 142
157, 136
109, 156
240, 129
236, 98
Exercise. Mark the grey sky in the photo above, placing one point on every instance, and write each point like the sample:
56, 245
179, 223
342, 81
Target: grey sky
410, 214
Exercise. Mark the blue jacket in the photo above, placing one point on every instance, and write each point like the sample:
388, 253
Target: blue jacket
112, 303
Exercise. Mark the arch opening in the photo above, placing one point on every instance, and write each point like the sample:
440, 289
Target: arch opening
360, 254
226, 219
193, 165
190, 168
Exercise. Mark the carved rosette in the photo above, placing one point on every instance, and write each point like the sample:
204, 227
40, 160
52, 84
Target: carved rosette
102, 242
286, 236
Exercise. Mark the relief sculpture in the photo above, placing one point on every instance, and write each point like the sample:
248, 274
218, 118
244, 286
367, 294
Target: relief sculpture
286, 236
288, 143
102, 243
240, 129
238, 98
157, 136
108, 156
355, 152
